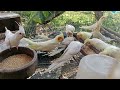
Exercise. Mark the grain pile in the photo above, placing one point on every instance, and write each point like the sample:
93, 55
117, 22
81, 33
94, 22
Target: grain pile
15, 61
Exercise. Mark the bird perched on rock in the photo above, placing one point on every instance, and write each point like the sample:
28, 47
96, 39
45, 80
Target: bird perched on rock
73, 48
13, 39
48, 45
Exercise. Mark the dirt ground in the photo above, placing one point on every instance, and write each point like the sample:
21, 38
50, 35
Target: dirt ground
68, 71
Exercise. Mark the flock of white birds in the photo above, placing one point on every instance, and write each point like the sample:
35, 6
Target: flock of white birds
71, 45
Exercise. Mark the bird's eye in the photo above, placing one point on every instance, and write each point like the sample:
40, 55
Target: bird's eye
19, 33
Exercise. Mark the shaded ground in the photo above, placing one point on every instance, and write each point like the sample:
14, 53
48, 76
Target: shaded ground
68, 71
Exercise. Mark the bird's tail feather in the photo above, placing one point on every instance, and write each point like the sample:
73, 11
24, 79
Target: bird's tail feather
58, 63
54, 66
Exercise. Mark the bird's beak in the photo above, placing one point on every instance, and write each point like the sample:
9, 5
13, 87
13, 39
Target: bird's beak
23, 35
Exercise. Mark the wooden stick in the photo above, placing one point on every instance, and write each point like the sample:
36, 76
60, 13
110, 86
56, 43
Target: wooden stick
113, 32
111, 35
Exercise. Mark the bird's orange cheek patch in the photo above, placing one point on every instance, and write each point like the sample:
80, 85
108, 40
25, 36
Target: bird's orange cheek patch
60, 39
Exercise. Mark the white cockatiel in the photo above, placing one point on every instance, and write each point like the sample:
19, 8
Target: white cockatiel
96, 30
63, 44
95, 25
83, 35
73, 48
97, 43
48, 45
13, 39
70, 28
112, 51
68, 39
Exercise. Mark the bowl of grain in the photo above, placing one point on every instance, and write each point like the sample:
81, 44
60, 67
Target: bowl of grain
17, 64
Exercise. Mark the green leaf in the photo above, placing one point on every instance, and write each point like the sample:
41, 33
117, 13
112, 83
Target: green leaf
37, 20
46, 14
41, 16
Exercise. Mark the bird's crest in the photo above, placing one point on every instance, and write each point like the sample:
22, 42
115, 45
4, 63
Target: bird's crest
7, 32
6, 28
21, 29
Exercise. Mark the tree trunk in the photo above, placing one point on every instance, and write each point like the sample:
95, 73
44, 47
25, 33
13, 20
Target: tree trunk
117, 39
106, 31
98, 14
56, 14
113, 32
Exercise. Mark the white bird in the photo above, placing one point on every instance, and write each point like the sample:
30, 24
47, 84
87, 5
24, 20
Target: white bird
73, 48
48, 45
68, 39
70, 28
13, 39
112, 51
97, 43
63, 44
95, 25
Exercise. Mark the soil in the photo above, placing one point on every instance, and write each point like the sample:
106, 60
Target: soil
68, 71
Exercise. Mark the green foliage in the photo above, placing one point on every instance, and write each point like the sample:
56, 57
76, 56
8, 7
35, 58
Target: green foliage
112, 21
75, 18
32, 18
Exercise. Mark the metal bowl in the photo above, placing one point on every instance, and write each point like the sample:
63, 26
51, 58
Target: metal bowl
21, 72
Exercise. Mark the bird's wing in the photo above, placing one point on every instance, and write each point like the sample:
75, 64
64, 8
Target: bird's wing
54, 52
58, 63
67, 40
8, 33
54, 66
8, 36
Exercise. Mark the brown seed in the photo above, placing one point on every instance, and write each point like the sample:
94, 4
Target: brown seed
15, 61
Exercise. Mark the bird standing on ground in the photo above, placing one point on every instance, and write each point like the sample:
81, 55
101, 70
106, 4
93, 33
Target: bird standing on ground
73, 48
48, 45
